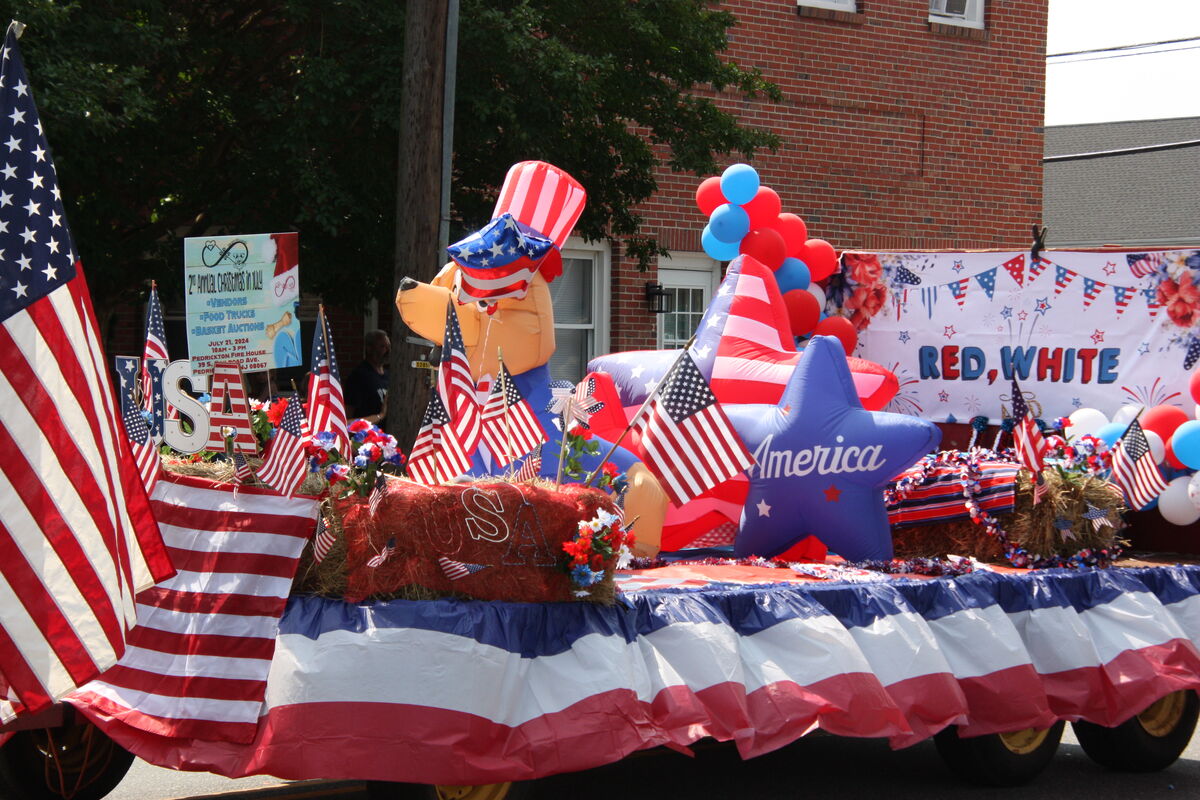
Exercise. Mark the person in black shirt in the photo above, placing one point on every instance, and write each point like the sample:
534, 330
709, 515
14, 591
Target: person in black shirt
366, 387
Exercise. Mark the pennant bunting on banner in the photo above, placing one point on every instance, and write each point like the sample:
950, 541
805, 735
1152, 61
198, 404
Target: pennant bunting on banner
1152, 304
1062, 278
929, 299
988, 281
905, 275
1037, 267
1091, 290
1016, 268
959, 290
1122, 294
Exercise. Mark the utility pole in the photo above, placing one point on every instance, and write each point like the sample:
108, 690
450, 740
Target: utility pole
418, 195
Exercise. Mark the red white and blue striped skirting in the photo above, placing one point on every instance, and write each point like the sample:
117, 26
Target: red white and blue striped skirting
475, 692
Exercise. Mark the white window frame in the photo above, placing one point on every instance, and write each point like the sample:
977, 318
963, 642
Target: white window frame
690, 262
971, 18
850, 6
600, 254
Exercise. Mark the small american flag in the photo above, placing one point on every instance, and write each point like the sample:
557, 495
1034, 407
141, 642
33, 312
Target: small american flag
144, 450
1133, 470
456, 385
242, 472
323, 541
326, 405
1143, 264
436, 454
286, 463
156, 346
377, 560
510, 428
687, 440
377, 493
457, 570
1030, 445
530, 469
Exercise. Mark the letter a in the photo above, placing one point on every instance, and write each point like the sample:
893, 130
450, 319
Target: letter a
227, 389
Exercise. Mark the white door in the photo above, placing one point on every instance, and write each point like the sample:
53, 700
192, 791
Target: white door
689, 292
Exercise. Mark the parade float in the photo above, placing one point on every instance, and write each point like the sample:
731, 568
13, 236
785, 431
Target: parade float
745, 540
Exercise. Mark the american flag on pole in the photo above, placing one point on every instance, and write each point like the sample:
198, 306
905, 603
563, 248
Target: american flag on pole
145, 451
77, 536
457, 386
436, 455
510, 428
377, 560
156, 346
286, 461
197, 662
1030, 445
242, 471
686, 439
530, 469
326, 405
1134, 470
323, 541
457, 570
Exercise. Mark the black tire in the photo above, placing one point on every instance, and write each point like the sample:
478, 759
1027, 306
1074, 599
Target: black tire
1151, 741
385, 790
1009, 759
74, 760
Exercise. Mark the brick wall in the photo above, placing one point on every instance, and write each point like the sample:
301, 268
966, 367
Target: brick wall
895, 133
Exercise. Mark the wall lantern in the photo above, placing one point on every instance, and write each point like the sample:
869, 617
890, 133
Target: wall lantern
658, 299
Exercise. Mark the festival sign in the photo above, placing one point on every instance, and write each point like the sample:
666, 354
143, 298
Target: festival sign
1076, 329
242, 293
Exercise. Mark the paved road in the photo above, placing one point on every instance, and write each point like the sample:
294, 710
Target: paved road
816, 766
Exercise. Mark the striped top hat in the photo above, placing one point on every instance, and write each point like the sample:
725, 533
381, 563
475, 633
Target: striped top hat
538, 207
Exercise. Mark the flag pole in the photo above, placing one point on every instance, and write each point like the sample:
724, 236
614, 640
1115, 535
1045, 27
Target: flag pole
504, 390
633, 420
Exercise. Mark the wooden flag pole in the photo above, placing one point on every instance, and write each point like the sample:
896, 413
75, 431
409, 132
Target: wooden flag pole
633, 420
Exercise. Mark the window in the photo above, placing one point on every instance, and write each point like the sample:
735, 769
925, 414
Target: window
580, 297
967, 13
832, 5
689, 280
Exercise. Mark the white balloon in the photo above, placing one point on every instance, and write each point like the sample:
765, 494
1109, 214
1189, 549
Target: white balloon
817, 292
1085, 422
1197, 414
1175, 505
1125, 414
1194, 490
1158, 450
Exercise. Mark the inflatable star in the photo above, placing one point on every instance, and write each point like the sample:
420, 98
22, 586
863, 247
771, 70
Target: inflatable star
822, 462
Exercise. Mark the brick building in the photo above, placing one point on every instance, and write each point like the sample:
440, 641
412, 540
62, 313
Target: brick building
906, 124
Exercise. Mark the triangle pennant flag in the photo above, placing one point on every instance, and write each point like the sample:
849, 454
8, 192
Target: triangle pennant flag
1122, 295
1152, 304
1062, 278
1037, 267
1016, 268
1091, 290
988, 281
959, 290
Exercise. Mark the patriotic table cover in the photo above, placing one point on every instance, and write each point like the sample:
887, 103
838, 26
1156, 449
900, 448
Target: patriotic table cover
474, 692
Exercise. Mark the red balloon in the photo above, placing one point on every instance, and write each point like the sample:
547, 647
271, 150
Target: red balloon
1194, 385
1163, 420
765, 245
795, 234
708, 195
1172, 460
803, 311
820, 257
840, 327
764, 208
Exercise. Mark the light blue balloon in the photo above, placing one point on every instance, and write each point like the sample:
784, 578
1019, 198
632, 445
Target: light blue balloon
1111, 432
739, 183
1185, 443
715, 248
792, 274
729, 223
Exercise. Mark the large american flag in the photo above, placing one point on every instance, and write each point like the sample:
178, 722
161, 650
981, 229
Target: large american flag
436, 456
1134, 470
686, 439
198, 659
77, 536
1028, 441
510, 428
457, 386
154, 351
286, 462
326, 405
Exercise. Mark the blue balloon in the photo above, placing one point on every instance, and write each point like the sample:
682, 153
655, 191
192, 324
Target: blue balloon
739, 183
1185, 443
729, 223
716, 249
1111, 432
792, 274
822, 461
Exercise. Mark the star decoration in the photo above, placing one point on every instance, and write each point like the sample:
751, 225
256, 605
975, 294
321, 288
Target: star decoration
764, 510
1110, 268
944, 396
832, 493
958, 266
1144, 348
1006, 312
827, 438
904, 337
949, 332
1097, 336
1043, 305
1023, 315
1075, 401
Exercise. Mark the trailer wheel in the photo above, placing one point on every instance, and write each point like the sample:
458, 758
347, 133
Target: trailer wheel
385, 790
73, 761
1151, 741
999, 759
